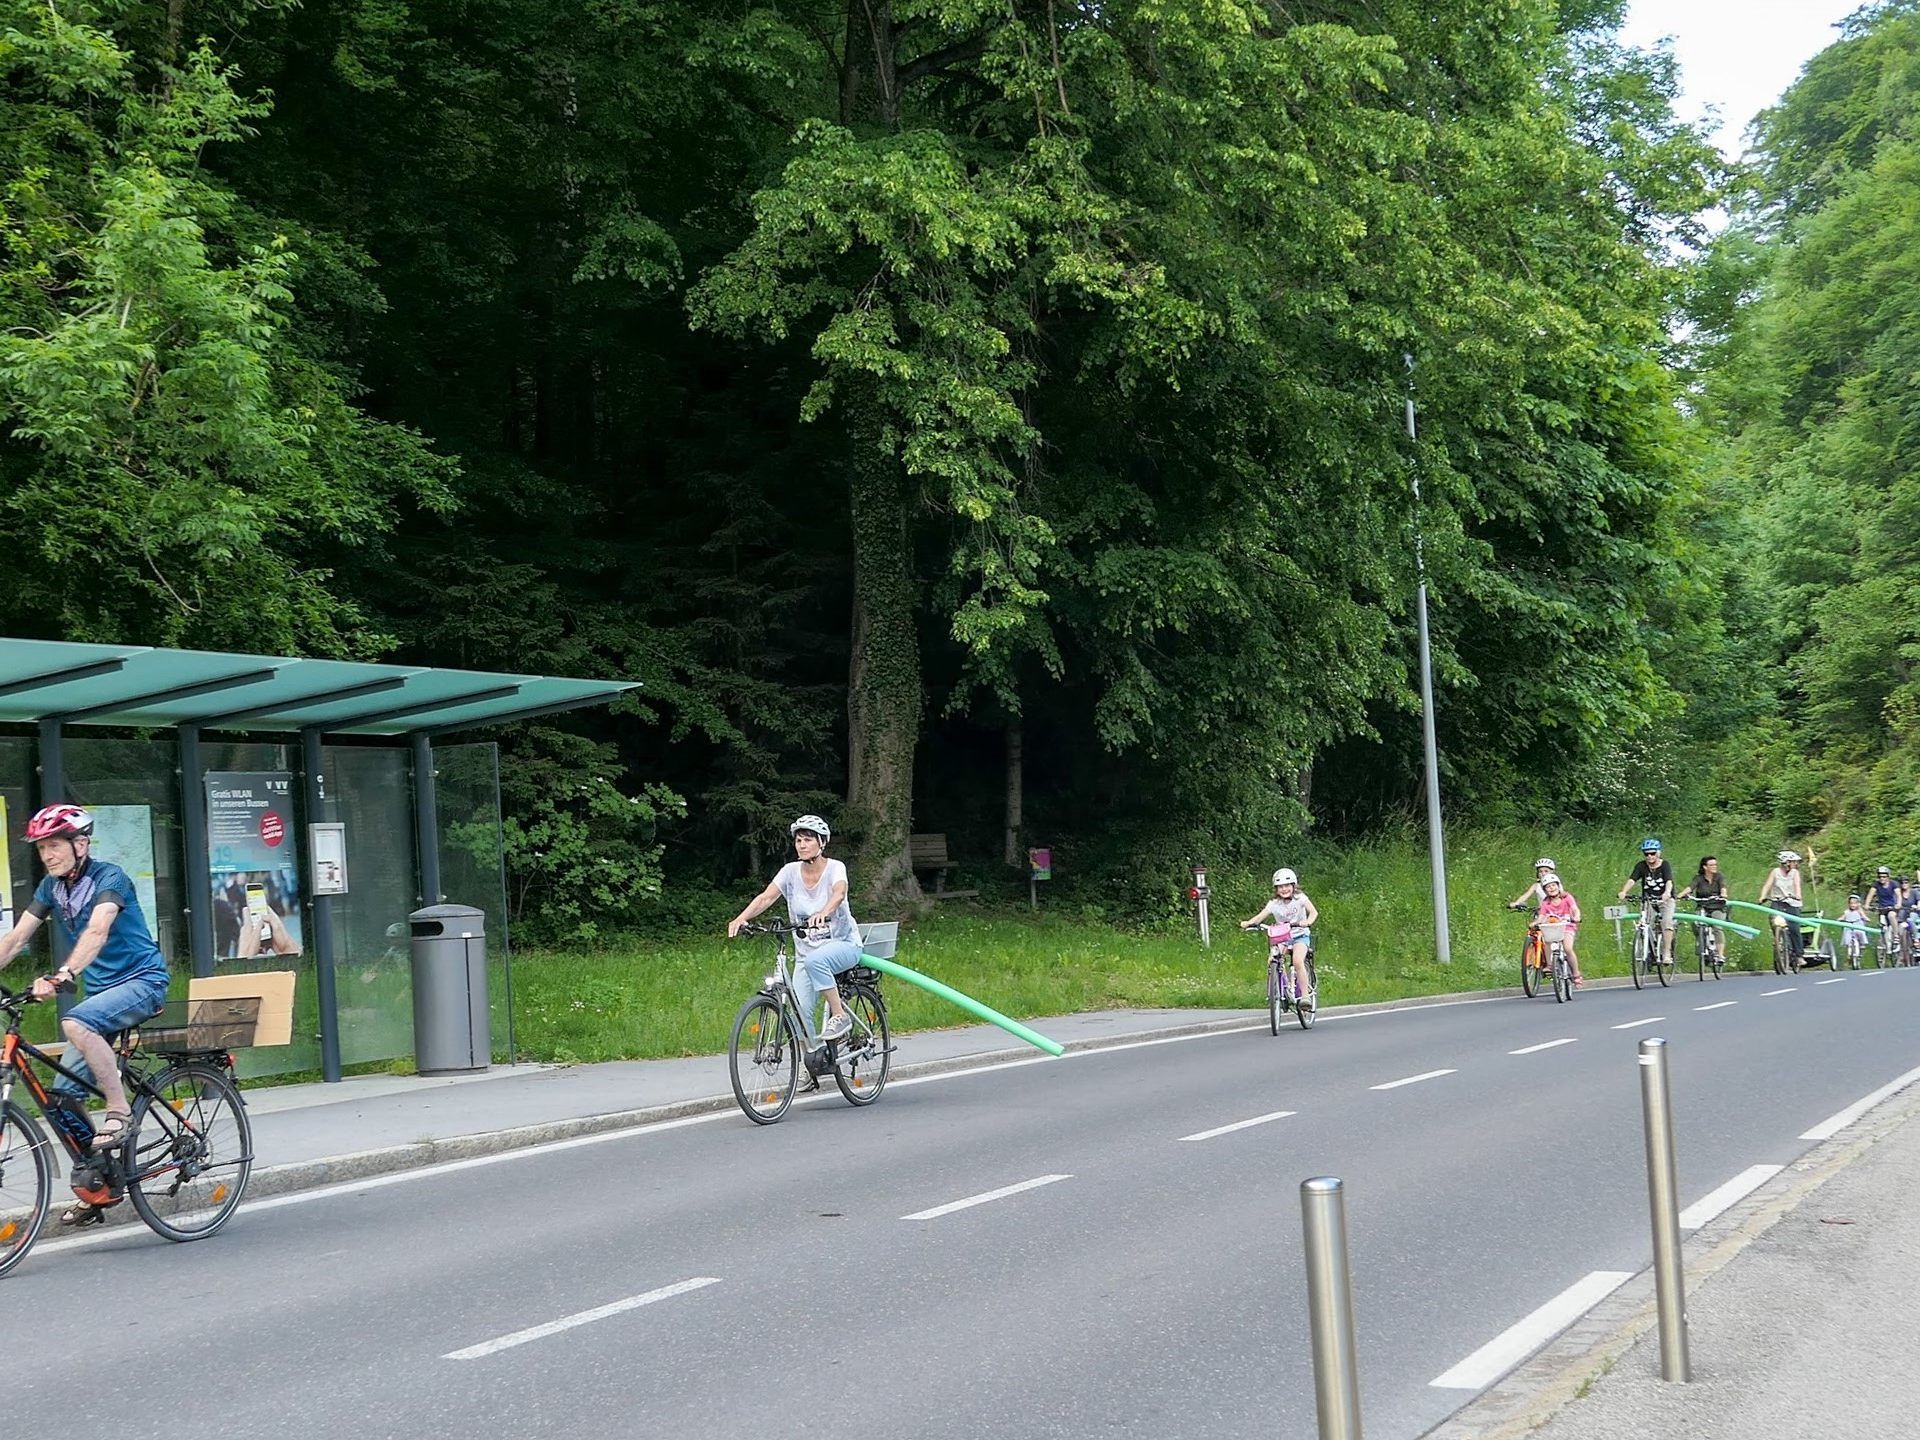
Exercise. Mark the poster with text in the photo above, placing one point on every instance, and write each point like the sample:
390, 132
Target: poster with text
124, 835
256, 880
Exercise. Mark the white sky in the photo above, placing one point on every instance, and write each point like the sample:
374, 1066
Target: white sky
1736, 55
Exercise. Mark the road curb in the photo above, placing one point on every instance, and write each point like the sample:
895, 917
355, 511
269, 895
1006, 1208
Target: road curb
367, 1164
1539, 1389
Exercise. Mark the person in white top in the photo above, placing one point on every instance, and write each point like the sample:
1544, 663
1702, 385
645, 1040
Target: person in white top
1782, 892
1290, 907
816, 893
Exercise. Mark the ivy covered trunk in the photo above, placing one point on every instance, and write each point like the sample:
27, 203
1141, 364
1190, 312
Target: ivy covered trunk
883, 683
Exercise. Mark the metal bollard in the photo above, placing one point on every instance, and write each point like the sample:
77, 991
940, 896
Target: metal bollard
1336, 1377
1669, 1274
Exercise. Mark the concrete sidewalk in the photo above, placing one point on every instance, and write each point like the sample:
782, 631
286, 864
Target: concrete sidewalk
1801, 1304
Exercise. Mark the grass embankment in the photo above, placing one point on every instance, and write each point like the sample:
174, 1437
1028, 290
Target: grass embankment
1375, 940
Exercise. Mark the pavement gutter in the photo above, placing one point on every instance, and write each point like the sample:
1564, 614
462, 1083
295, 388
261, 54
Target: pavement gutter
365, 1164
1529, 1396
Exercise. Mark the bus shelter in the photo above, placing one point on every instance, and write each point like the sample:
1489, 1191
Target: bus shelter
277, 813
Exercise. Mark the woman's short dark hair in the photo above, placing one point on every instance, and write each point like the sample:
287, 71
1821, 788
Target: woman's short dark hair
1703, 862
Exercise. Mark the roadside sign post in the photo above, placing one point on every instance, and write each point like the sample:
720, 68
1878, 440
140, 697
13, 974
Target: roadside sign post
1336, 1375
1617, 913
1039, 867
1669, 1275
1198, 893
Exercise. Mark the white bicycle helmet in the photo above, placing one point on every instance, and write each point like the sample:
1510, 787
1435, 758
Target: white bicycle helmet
1884, 870
813, 823
1545, 862
1284, 876
1550, 879
1789, 855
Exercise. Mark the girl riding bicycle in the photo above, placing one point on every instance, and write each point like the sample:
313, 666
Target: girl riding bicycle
816, 893
1290, 907
1558, 905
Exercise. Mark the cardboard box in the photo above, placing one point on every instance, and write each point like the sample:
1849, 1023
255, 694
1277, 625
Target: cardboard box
227, 1012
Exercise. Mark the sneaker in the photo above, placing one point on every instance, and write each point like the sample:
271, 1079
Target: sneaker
837, 1027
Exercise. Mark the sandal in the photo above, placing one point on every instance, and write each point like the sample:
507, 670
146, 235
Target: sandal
113, 1131
80, 1215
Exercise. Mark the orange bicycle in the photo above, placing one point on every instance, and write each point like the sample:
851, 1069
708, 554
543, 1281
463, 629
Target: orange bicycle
1536, 966
185, 1161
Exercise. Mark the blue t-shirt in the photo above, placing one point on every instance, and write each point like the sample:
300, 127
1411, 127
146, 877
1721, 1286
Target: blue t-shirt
129, 952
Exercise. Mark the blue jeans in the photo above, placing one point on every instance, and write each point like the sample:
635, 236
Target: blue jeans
108, 1010
815, 971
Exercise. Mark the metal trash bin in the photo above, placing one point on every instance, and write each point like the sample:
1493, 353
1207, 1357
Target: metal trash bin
452, 1031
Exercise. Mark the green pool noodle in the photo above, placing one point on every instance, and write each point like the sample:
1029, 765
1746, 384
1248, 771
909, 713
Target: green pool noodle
1804, 919
1698, 919
965, 1002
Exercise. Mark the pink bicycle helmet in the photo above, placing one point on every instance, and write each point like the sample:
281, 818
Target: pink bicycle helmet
59, 822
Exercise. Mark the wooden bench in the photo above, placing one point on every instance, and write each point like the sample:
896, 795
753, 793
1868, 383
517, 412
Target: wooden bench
929, 852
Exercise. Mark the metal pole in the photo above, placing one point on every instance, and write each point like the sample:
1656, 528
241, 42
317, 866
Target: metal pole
1669, 1277
1436, 836
53, 789
1336, 1374
197, 871
315, 794
426, 819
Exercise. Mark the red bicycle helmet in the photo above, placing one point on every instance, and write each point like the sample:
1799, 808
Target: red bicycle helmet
59, 822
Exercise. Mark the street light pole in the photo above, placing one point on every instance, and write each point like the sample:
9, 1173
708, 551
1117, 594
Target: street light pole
1436, 838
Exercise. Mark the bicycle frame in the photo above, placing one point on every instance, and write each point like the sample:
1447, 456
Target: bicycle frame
778, 987
17, 1058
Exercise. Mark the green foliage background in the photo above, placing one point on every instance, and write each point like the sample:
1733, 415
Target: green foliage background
872, 378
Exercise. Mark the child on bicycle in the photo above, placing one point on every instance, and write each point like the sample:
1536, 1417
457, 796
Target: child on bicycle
1856, 939
1290, 907
1533, 894
1557, 905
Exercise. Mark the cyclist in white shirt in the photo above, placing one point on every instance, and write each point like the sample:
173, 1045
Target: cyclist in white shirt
815, 889
1290, 907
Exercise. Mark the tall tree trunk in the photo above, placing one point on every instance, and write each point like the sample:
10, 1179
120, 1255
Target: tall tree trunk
883, 682
1016, 785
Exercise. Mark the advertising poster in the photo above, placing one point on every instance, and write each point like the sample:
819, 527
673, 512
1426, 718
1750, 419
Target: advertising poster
124, 835
256, 885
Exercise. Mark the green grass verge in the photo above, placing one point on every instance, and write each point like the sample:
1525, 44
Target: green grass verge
648, 999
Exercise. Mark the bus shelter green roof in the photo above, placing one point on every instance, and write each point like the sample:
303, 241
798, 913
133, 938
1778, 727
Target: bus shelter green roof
73, 684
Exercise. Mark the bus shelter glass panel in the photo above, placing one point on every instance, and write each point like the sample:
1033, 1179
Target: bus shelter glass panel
132, 787
230, 904
472, 868
16, 789
368, 789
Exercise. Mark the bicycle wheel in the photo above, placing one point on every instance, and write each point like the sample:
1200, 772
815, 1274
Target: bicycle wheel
1639, 957
1562, 980
1703, 946
865, 1056
1273, 997
1779, 952
1306, 1009
764, 1057
189, 1153
26, 1184
1663, 960
1529, 972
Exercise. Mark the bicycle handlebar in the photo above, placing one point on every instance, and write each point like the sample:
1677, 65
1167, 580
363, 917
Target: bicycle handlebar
781, 927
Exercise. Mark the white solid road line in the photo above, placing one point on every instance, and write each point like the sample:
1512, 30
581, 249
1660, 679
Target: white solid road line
1834, 981
1834, 1124
1511, 1346
1788, 990
1635, 1024
1240, 1125
1543, 1045
1413, 1079
585, 1317
967, 1204
1717, 1005
1738, 1188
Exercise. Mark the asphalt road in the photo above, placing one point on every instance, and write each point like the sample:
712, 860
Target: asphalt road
1143, 1283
